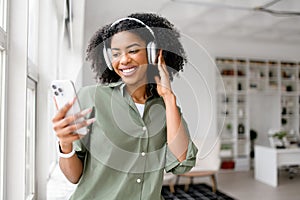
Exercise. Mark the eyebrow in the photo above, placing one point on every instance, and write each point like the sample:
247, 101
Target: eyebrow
129, 46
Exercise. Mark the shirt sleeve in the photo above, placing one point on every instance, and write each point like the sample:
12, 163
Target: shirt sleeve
173, 165
176, 167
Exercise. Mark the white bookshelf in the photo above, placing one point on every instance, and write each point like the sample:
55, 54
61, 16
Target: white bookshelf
256, 94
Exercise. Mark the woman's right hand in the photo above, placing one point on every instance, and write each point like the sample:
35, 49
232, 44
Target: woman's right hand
65, 129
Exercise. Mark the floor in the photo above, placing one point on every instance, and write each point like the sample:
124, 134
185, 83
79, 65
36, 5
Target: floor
240, 185
243, 186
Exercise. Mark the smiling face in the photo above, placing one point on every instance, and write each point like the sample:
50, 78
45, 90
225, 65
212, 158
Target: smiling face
129, 58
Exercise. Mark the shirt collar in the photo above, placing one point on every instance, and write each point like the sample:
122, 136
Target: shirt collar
121, 86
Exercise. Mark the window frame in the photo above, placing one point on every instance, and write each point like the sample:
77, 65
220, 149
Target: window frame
3, 75
2, 122
3, 17
31, 145
32, 81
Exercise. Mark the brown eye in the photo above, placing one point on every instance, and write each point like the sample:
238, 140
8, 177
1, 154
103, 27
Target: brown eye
116, 55
134, 51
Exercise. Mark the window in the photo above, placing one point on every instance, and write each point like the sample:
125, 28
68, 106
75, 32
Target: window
30, 143
30, 140
2, 117
2, 91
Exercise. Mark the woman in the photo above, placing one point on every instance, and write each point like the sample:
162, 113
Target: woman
136, 130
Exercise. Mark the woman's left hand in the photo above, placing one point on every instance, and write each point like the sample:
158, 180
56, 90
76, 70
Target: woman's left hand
163, 82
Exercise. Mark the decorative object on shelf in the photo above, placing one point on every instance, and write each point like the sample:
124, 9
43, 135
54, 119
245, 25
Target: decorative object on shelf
283, 111
240, 86
241, 112
289, 88
227, 164
241, 129
283, 121
253, 136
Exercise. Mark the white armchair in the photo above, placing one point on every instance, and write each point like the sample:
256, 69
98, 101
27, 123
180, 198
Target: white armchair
207, 163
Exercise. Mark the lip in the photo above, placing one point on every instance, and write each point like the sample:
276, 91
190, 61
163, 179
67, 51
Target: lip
128, 71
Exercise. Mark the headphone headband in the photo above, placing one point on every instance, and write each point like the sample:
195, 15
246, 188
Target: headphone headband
136, 20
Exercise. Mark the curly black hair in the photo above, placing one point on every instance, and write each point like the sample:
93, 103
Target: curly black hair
166, 38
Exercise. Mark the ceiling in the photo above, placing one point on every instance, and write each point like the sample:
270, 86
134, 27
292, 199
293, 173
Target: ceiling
213, 18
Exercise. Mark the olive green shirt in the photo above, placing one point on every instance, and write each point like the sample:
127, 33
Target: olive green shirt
124, 154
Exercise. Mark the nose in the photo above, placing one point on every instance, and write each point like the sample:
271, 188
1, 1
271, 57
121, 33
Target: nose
125, 58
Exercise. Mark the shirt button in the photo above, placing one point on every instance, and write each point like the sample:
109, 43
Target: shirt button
144, 128
138, 180
143, 153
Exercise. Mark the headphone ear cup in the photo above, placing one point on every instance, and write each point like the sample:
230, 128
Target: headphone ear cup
107, 57
151, 52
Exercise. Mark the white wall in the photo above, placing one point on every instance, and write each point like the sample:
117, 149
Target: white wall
237, 47
195, 91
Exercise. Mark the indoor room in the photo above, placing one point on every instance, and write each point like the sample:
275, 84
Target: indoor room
237, 87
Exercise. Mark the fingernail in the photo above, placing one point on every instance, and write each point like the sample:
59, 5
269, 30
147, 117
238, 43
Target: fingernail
86, 111
72, 101
89, 121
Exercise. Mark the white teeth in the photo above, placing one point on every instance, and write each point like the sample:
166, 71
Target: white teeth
128, 70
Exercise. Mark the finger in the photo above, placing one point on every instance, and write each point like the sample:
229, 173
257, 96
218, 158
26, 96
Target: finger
62, 112
72, 118
72, 128
160, 57
83, 124
160, 54
162, 63
161, 83
79, 125
56, 106
161, 69
157, 80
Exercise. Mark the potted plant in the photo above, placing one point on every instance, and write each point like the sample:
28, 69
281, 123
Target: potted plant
281, 138
229, 127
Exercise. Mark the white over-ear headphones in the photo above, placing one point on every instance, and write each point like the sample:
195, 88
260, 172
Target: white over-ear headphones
151, 46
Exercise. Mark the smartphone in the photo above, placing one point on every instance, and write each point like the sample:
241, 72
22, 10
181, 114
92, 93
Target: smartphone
64, 92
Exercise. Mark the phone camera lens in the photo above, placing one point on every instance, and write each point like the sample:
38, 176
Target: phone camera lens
56, 93
54, 87
60, 90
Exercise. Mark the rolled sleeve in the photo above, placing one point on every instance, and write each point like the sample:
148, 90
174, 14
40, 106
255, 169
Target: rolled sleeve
78, 146
176, 167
